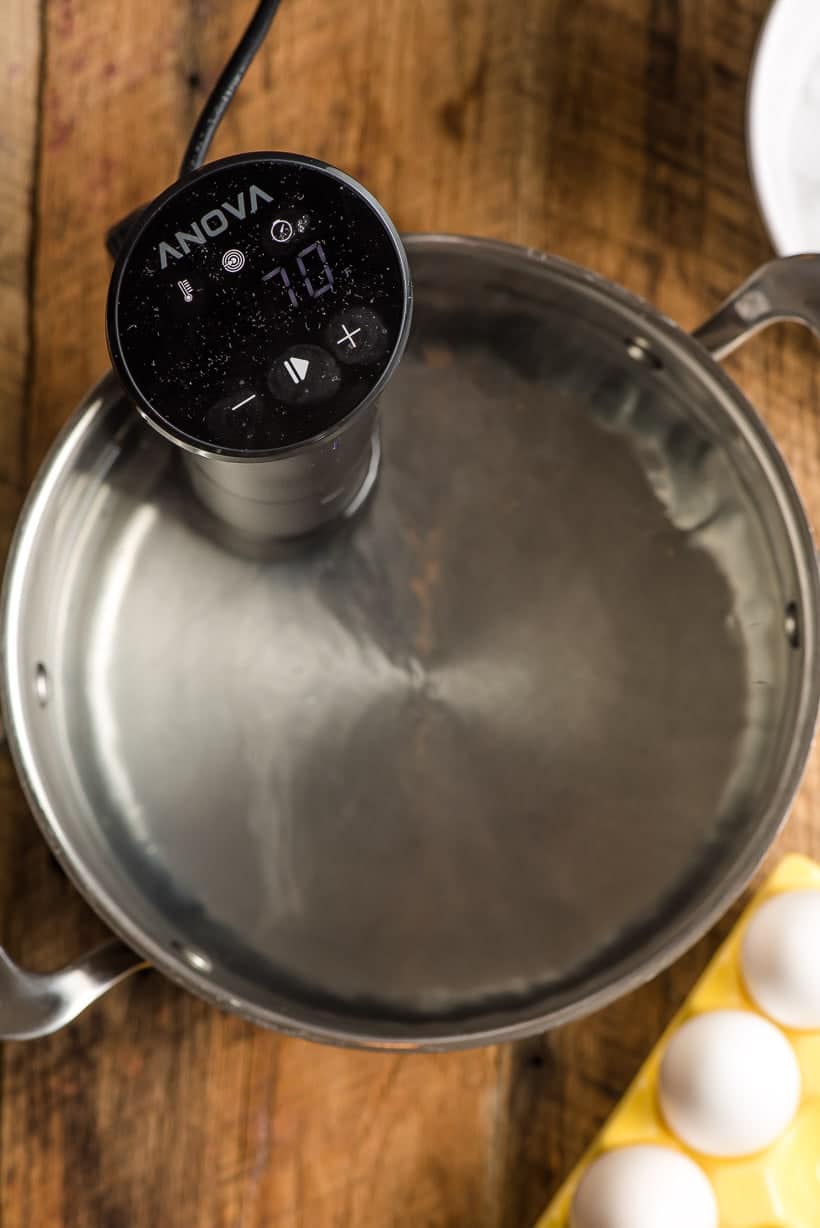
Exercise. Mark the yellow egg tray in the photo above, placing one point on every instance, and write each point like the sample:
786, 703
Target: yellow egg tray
776, 1188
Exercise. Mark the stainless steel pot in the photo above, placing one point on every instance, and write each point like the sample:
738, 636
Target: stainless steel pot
492, 752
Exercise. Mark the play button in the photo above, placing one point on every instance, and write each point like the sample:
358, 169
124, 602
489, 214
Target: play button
303, 375
297, 369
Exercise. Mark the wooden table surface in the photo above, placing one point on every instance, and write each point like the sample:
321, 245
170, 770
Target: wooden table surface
607, 131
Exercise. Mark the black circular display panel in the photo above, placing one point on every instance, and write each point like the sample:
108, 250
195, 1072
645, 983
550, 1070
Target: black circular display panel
261, 301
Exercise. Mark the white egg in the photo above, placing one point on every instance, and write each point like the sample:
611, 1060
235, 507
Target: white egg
644, 1187
780, 958
729, 1083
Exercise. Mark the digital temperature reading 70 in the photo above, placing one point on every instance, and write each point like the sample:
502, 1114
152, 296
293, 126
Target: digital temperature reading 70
259, 304
311, 290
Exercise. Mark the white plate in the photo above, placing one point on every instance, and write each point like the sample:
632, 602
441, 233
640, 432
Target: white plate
783, 125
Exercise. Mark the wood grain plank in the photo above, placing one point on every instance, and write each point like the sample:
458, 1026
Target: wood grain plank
608, 131
20, 75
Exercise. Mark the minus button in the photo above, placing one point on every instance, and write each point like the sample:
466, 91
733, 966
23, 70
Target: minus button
239, 404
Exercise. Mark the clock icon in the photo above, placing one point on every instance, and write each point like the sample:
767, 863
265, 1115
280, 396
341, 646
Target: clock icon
281, 230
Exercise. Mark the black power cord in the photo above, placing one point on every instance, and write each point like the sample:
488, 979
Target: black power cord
225, 88
211, 114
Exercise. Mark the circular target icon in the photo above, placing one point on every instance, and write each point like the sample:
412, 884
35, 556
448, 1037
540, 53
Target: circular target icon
233, 260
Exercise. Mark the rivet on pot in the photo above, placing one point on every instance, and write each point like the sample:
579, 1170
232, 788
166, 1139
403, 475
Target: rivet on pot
639, 349
791, 625
42, 684
194, 959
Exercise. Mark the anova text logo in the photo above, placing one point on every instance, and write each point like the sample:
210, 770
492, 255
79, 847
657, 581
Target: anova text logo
212, 223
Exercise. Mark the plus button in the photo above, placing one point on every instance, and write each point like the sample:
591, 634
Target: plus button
348, 336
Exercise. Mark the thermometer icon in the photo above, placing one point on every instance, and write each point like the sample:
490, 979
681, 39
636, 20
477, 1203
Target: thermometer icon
186, 290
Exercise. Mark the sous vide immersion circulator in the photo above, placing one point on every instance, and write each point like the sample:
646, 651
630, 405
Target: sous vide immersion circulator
256, 311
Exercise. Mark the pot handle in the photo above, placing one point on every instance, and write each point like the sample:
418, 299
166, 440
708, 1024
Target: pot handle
786, 289
35, 1004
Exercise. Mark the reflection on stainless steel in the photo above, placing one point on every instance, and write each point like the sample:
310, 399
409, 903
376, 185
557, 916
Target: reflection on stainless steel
489, 753
694, 481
